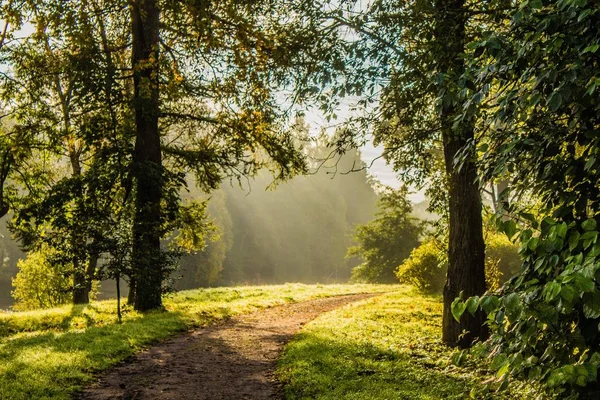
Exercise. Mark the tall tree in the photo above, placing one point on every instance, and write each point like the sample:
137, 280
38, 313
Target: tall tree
201, 80
466, 249
404, 61
147, 166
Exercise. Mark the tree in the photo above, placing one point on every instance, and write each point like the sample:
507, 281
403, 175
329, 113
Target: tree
405, 60
385, 242
198, 78
539, 84
67, 105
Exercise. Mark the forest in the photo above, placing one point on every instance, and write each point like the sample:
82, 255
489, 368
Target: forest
163, 197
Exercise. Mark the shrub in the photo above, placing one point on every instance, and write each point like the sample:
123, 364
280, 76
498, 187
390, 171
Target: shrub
500, 250
39, 283
425, 268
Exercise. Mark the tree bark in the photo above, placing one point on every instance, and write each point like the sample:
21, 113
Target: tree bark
466, 249
147, 169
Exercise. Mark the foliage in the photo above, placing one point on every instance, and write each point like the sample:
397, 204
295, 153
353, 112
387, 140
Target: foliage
53, 353
40, 283
387, 241
538, 74
388, 347
425, 268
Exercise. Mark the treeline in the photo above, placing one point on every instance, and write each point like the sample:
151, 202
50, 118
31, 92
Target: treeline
295, 231
298, 231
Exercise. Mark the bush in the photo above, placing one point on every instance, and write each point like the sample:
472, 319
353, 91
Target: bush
39, 283
500, 250
425, 268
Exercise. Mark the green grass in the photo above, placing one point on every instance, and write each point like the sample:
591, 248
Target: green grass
388, 347
51, 354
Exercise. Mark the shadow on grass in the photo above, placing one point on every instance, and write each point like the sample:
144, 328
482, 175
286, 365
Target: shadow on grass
318, 367
56, 364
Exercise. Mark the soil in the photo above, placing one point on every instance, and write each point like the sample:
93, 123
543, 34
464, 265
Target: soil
234, 359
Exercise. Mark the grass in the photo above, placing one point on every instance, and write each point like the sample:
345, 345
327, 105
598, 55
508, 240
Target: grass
51, 354
388, 347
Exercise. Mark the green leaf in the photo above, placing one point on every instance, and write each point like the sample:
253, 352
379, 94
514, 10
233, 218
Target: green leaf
458, 308
489, 303
512, 303
551, 290
561, 230
554, 102
532, 244
510, 228
591, 305
573, 240
471, 304
591, 49
568, 293
535, 4
583, 283
589, 163
498, 361
589, 225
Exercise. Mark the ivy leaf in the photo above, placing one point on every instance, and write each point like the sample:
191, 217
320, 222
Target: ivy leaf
551, 290
471, 304
573, 240
591, 305
589, 224
554, 101
458, 308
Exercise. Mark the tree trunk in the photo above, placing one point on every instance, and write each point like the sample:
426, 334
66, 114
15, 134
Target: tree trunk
146, 253
131, 293
81, 294
466, 268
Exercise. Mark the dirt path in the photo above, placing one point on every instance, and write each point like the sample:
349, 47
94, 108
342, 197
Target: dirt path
231, 360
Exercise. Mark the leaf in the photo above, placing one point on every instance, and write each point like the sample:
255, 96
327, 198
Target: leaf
573, 240
535, 4
510, 228
561, 230
591, 305
583, 283
589, 224
471, 304
532, 244
489, 303
512, 303
567, 293
458, 308
552, 289
591, 49
554, 102
589, 163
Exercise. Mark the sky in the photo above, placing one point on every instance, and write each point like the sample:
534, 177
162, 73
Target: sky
378, 168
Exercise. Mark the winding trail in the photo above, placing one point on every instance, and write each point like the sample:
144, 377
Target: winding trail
235, 359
